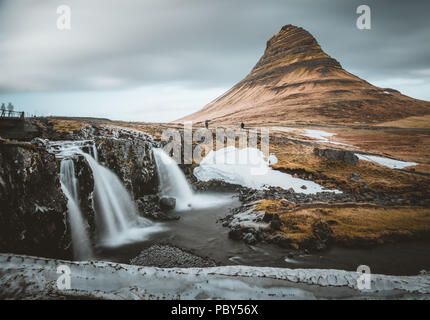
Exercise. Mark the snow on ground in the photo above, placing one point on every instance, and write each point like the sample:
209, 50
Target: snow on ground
387, 162
24, 277
321, 136
248, 168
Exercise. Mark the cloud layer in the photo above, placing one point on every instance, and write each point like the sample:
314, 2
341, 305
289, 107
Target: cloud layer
200, 46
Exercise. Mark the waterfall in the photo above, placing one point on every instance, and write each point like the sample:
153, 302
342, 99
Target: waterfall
116, 215
172, 180
69, 184
95, 155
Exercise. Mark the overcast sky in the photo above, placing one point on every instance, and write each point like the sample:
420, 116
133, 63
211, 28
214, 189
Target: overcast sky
158, 60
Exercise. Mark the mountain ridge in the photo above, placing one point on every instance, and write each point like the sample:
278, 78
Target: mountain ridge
296, 81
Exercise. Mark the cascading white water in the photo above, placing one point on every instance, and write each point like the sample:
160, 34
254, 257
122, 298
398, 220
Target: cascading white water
95, 154
174, 184
172, 180
69, 184
116, 214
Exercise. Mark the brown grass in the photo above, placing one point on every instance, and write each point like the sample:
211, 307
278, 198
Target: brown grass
66, 126
295, 157
410, 122
351, 223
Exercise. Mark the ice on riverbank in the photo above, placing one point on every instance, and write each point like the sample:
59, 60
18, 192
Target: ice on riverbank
23, 277
248, 168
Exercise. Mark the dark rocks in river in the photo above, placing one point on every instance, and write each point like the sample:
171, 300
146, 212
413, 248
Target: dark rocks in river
167, 203
282, 241
249, 238
148, 206
33, 208
165, 256
235, 233
333, 154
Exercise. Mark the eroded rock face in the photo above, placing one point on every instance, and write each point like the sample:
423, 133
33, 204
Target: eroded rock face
33, 208
85, 191
333, 154
131, 160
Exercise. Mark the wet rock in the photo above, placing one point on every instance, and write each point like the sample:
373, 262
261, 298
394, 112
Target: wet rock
167, 203
33, 208
322, 230
235, 233
148, 206
287, 204
267, 217
39, 142
85, 178
355, 177
165, 256
275, 224
282, 241
249, 238
129, 155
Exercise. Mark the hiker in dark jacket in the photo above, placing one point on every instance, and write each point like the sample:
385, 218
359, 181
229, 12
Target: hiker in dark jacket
242, 125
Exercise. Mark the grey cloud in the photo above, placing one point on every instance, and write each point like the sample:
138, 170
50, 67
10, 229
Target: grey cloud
130, 43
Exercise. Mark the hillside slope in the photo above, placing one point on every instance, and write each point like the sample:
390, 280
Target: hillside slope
295, 81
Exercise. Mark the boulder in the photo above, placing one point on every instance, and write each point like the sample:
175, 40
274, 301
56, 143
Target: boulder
249, 238
275, 224
355, 177
167, 203
282, 241
333, 154
235, 233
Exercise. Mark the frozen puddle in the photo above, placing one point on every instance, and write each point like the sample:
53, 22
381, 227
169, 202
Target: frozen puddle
387, 162
321, 136
248, 168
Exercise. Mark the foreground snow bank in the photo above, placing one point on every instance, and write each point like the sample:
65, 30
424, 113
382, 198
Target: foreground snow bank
31, 277
387, 162
248, 168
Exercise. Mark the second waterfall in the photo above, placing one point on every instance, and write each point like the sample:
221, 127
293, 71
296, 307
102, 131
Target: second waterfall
117, 220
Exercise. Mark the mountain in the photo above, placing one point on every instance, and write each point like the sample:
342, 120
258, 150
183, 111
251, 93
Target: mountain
295, 81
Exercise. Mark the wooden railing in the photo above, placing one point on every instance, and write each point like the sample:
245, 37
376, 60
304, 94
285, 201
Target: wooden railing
12, 114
